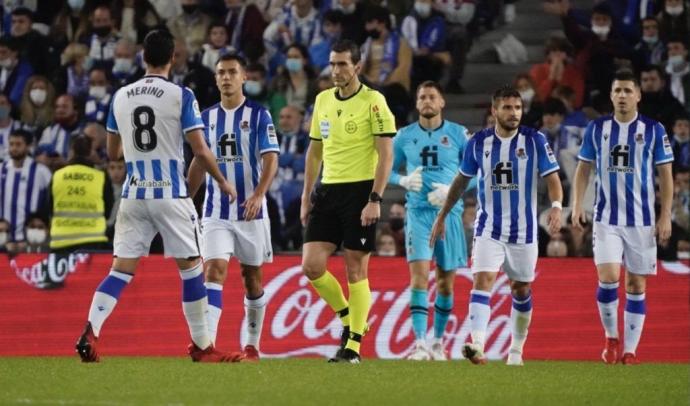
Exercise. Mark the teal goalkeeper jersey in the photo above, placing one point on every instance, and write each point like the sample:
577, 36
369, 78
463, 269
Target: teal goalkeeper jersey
439, 152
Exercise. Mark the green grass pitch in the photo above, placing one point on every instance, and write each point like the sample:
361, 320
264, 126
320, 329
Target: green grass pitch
178, 381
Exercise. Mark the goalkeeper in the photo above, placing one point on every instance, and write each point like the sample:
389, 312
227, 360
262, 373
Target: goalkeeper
432, 150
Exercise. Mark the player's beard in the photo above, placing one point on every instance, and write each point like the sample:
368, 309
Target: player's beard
507, 125
431, 115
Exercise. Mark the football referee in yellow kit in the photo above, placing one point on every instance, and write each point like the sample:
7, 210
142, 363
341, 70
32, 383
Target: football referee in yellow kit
351, 132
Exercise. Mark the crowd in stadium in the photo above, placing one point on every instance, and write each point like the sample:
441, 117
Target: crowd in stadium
62, 61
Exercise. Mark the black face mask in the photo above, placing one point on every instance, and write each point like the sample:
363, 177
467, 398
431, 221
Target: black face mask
102, 31
190, 8
374, 34
396, 223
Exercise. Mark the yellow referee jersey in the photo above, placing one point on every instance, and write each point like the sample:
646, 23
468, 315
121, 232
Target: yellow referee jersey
347, 128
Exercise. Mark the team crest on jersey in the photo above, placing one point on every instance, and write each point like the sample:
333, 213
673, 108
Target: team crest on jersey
639, 138
325, 128
350, 127
520, 153
445, 141
244, 125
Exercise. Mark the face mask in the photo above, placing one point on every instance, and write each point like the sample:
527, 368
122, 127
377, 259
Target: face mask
122, 65
601, 30
190, 8
6, 63
527, 95
3, 238
423, 9
38, 96
651, 40
76, 4
293, 64
396, 223
674, 10
253, 87
347, 10
553, 130
374, 34
676, 60
386, 253
102, 31
97, 92
4, 112
36, 235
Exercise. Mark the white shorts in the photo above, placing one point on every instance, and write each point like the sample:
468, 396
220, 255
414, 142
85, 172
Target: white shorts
138, 221
634, 247
248, 241
518, 260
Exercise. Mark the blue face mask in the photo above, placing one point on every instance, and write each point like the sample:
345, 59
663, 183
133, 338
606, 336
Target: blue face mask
293, 64
4, 112
76, 4
252, 88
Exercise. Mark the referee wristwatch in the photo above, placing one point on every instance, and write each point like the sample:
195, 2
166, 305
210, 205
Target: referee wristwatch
375, 198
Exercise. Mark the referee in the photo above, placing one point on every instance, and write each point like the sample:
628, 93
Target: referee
351, 132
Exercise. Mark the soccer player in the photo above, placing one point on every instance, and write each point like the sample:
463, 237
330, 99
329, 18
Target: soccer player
147, 120
626, 148
432, 149
351, 132
244, 139
507, 159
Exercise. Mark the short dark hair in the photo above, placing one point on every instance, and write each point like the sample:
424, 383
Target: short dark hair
159, 46
26, 135
378, 13
334, 16
558, 44
681, 117
553, 106
256, 67
345, 45
430, 83
81, 146
603, 9
233, 57
23, 11
626, 75
504, 92
10, 43
653, 68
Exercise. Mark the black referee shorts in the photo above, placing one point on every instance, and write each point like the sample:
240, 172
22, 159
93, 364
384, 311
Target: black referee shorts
335, 216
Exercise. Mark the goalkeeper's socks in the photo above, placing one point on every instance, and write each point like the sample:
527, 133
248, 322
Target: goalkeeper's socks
443, 306
105, 298
195, 304
419, 311
360, 301
480, 312
215, 308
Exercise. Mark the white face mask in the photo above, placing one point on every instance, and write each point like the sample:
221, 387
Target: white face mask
253, 87
38, 96
97, 92
36, 235
651, 40
349, 9
122, 65
527, 95
3, 238
601, 30
6, 63
676, 61
674, 10
423, 9
386, 253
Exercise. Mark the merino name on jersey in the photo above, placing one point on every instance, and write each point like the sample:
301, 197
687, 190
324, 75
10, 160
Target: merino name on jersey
145, 90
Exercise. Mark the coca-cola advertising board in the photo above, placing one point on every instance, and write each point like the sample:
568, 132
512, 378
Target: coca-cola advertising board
148, 319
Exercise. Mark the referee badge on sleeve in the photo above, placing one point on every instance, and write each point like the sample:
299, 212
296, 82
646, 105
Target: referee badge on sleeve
325, 127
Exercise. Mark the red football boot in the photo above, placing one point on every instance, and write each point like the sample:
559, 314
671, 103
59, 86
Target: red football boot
630, 359
610, 353
251, 353
86, 345
210, 354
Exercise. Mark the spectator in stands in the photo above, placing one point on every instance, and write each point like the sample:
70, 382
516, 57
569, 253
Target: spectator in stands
298, 24
97, 134
101, 38
270, 9
37, 234
531, 107
32, 46
387, 62
674, 20
575, 120
650, 50
458, 15
296, 80
245, 26
581, 238
395, 226
681, 199
188, 72
557, 71
215, 47
385, 245
135, 18
73, 75
4, 235
678, 68
353, 19
191, 26
125, 69
14, 71
7, 125
558, 245
680, 142
116, 173
70, 23
553, 113
24, 185
425, 31
256, 88
657, 101
332, 31
53, 147
98, 99
36, 107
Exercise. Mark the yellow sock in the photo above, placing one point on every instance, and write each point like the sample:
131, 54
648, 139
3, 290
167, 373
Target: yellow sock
360, 301
329, 289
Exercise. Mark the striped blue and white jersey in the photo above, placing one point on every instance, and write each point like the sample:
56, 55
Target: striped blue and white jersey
238, 138
507, 170
152, 116
624, 155
23, 191
56, 139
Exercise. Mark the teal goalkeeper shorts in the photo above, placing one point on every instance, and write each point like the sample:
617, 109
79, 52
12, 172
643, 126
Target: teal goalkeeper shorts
450, 253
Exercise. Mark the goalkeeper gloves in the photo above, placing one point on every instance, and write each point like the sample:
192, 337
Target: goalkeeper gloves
438, 195
413, 181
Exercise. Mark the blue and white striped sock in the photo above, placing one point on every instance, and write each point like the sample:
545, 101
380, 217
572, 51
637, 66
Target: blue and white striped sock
419, 311
607, 300
215, 308
520, 317
194, 304
634, 315
480, 312
105, 298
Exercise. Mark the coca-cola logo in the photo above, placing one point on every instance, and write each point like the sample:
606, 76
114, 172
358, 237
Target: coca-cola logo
48, 272
299, 323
